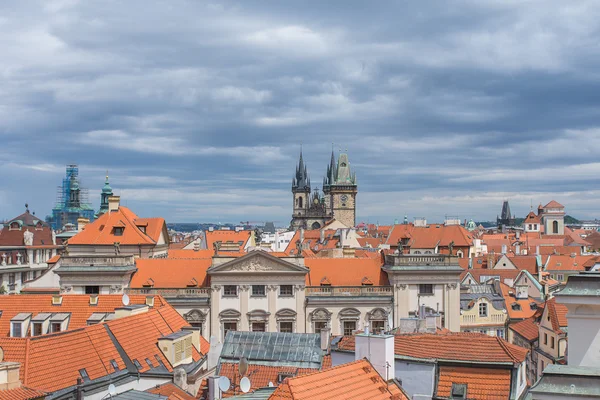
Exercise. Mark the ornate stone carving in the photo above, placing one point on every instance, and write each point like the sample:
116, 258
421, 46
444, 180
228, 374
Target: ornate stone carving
349, 313
252, 265
116, 289
66, 288
272, 288
3, 258
285, 314
451, 285
195, 316
320, 314
377, 314
245, 288
216, 288
28, 238
230, 314
401, 286
299, 287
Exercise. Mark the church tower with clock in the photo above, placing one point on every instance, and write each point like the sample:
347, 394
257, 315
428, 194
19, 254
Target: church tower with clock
311, 209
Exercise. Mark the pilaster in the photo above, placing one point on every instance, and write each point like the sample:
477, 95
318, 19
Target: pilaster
244, 299
272, 299
300, 311
215, 323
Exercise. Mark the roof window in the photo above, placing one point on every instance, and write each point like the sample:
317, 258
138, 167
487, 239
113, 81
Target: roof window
84, 374
137, 364
283, 375
118, 231
114, 364
459, 391
149, 363
516, 307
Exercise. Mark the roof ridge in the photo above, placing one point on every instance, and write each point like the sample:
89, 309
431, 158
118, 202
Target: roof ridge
138, 230
26, 362
507, 349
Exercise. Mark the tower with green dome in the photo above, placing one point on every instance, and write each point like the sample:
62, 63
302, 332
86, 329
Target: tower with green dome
106, 193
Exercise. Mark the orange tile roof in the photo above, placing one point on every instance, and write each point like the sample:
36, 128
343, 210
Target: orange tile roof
370, 242
503, 274
460, 346
482, 383
101, 232
523, 310
21, 393
166, 273
181, 253
558, 315
554, 204
345, 271
567, 263
532, 218
78, 305
396, 390
354, 380
168, 389
227, 236
53, 260
527, 328
430, 236
527, 263
260, 375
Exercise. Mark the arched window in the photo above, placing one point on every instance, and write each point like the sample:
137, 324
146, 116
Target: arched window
316, 225
299, 202
417, 252
555, 227
459, 254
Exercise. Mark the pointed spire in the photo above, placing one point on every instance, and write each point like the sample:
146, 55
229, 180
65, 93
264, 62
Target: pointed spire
301, 180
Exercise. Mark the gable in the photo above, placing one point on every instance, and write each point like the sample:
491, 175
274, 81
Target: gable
504, 263
256, 262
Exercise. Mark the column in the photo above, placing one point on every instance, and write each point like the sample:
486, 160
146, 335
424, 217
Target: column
452, 307
272, 299
300, 316
215, 323
402, 299
244, 299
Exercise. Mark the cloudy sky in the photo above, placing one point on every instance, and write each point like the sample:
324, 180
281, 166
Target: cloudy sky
198, 108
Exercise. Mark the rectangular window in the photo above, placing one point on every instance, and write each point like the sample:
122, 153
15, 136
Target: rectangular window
349, 327
92, 290
286, 291
552, 342
286, 326
545, 338
425, 290
229, 326
11, 278
118, 231
17, 329
320, 325
500, 333
483, 310
258, 327
377, 326
24, 277
560, 277
55, 326
37, 329
258, 290
230, 291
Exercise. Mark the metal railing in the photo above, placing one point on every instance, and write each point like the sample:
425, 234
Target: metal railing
349, 291
187, 292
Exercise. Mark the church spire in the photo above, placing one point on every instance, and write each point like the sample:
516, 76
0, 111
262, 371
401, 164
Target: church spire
301, 181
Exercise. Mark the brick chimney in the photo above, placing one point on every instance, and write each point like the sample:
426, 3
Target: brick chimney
113, 203
81, 223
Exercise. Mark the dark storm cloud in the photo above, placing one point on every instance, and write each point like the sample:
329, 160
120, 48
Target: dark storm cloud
198, 109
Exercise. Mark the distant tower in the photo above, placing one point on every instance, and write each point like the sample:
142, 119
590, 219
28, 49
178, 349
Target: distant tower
506, 218
106, 193
301, 195
71, 201
340, 190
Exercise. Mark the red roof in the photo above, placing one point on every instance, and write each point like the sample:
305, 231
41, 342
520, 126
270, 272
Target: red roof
21, 393
169, 389
355, 380
53, 260
517, 308
227, 236
558, 315
345, 271
181, 253
554, 204
461, 346
482, 383
14, 237
567, 263
168, 273
78, 305
102, 230
527, 328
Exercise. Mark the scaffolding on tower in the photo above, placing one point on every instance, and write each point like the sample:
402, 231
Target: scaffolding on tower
72, 202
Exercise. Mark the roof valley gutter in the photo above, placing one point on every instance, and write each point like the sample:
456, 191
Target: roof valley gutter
128, 363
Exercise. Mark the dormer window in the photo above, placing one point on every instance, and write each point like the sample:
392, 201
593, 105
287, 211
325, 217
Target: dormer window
17, 329
142, 228
118, 231
15, 225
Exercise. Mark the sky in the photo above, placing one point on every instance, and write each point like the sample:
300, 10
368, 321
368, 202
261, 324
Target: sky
198, 109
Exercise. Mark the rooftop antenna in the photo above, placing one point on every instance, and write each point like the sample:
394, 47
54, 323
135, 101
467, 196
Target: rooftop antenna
245, 384
224, 383
125, 299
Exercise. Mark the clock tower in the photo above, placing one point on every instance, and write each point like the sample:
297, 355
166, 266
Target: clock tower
340, 189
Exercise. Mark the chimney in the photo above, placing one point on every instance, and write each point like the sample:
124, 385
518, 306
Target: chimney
518, 234
518, 250
81, 223
132, 309
213, 353
325, 339
503, 249
537, 250
301, 235
379, 350
9, 375
322, 236
177, 348
113, 203
214, 393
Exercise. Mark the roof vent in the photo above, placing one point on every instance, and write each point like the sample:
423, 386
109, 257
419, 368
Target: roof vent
94, 300
459, 391
56, 300
150, 301
573, 255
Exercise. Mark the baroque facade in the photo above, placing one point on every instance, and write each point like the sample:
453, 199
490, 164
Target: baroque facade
312, 209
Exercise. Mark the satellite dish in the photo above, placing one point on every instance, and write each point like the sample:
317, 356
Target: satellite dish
271, 384
245, 384
112, 390
125, 299
224, 383
243, 366
1, 354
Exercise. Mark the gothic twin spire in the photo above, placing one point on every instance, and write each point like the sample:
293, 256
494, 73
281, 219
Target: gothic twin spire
337, 173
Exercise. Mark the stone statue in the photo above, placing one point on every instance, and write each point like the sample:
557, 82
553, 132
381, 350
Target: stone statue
298, 248
216, 246
66, 249
400, 247
54, 238
451, 247
3, 258
28, 238
117, 248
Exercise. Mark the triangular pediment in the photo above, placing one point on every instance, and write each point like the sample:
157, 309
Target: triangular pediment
257, 262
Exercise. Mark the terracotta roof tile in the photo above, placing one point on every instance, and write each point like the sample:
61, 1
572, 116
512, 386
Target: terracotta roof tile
53, 260
558, 315
567, 263
168, 273
101, 231
227, 236
452, 346
517, 308
554, 204
181, 253
527, 328
78, 305
169, 389
482, 383
41, 237
345, 271
354, 380
21, 393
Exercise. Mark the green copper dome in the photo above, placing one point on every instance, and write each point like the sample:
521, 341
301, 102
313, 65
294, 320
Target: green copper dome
107, 188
